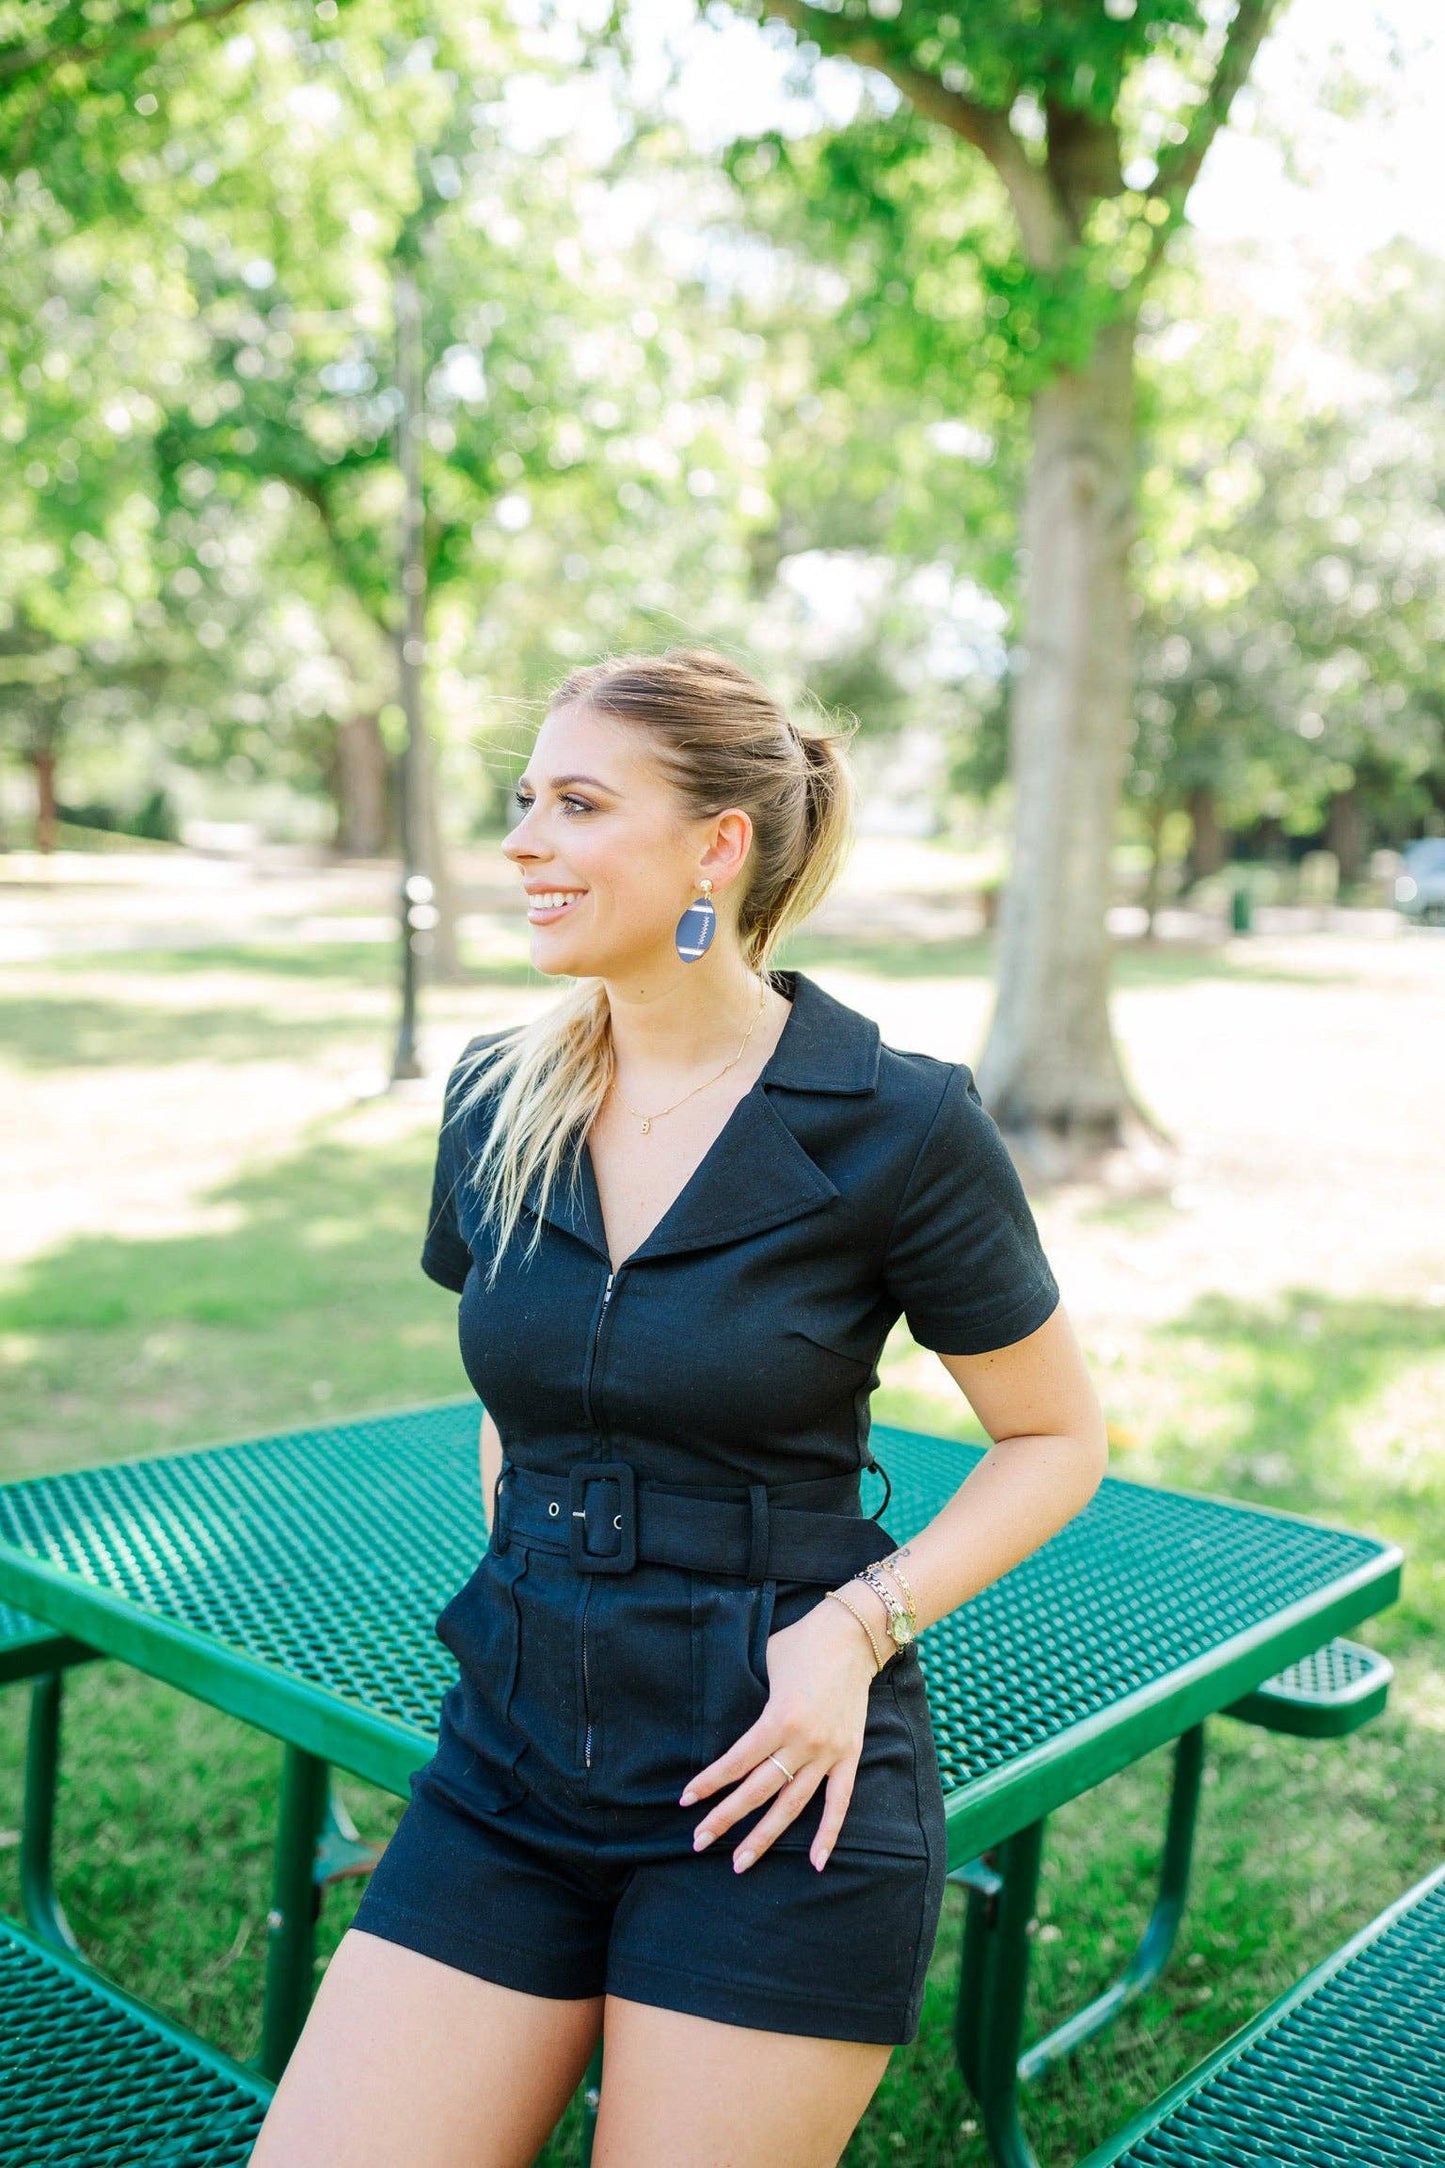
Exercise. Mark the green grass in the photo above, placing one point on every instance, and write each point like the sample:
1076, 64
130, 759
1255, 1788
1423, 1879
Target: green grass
307, 1299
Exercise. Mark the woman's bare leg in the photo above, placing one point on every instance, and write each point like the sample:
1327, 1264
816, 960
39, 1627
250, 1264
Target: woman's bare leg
403, 2059
686, 2092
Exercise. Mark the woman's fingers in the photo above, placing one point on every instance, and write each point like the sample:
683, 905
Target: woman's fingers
741, 1757
835, 1808
789, 1804
791, 1795
758, 1781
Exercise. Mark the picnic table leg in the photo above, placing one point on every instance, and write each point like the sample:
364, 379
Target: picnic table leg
295, 1903
992, 1985
42, 1906
1157, 1940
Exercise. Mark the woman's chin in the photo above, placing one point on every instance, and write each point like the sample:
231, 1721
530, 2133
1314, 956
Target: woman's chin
556, 957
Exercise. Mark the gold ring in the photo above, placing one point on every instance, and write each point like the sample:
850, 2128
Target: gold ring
787, 1772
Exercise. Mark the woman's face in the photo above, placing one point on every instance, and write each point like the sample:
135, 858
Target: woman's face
599, 825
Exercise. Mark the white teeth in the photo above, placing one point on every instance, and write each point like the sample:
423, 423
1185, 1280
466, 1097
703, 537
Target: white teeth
552, 902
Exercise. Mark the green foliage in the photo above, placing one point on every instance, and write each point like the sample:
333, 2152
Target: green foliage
1291, 556
1093, 122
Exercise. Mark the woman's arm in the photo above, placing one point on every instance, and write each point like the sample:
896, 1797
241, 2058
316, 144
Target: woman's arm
1050, 1448
1037, 1402
491, 1457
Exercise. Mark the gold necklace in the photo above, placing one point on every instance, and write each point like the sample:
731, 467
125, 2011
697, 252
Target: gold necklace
647, 1120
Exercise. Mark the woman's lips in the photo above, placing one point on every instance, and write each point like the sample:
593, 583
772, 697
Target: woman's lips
541, 911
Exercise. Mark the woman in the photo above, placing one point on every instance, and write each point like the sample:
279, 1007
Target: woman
678, 1791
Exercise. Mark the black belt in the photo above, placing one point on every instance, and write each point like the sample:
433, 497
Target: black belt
606, 1519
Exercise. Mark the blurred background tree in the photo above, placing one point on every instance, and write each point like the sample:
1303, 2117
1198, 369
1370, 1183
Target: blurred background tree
784, 395
998, 225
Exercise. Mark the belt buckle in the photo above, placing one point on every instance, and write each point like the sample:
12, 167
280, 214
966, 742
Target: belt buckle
624, 1558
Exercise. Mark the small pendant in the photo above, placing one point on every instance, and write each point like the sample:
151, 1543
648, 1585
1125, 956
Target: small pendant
647, 1125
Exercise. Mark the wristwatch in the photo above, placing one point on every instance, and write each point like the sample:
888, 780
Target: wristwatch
900, 1621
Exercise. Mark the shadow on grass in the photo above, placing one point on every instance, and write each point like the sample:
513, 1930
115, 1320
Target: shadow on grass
1134, 963
1293, 1383
311, 1300
350, 963
51, 1032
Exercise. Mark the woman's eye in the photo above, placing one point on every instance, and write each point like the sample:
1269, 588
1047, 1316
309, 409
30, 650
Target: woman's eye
521, 800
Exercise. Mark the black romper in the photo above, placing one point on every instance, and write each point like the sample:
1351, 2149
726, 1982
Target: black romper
544, 1845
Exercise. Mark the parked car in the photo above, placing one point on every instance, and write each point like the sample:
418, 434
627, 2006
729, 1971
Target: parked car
1420, 884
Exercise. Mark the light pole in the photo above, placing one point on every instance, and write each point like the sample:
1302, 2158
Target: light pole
417, 909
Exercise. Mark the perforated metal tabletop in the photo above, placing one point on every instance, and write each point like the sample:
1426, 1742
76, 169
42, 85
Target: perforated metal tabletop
294, 1580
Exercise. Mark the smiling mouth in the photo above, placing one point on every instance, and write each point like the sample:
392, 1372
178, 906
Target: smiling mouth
542, 910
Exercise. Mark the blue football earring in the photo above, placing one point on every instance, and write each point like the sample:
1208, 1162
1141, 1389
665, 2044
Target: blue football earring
697, 925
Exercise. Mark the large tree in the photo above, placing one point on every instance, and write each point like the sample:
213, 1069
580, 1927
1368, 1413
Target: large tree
1089, 121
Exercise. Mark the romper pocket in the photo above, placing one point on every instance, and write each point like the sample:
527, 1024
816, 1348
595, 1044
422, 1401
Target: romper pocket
479, 1743
731, 1625
896, 1786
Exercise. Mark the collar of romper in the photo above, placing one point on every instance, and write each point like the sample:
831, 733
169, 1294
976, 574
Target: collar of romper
756, 1174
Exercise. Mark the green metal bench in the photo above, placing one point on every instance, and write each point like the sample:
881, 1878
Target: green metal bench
89, 2075
30, 1650
1330, 1692
1347, 2066
1323, 1696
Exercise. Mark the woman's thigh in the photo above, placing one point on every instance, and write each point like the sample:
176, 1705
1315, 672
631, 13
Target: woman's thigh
680, 2091
406, 2059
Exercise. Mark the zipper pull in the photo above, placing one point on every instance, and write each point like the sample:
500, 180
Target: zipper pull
607, 1290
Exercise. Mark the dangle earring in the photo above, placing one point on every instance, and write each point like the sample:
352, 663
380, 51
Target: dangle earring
697, 925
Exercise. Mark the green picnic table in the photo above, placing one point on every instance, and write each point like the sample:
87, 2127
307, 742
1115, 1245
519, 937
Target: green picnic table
294, 1580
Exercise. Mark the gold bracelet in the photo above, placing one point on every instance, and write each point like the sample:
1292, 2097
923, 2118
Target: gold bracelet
882, 1659
886, 1565
900, 1620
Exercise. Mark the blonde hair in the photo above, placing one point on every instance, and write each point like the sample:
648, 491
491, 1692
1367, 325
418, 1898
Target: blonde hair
722, 740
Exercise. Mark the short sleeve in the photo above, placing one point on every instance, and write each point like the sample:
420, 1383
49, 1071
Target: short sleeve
445, 1254
964, 1261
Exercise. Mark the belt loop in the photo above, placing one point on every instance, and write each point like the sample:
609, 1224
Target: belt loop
758, 1532
500, 1533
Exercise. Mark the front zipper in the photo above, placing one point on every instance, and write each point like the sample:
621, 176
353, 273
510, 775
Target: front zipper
587, 1593
592, 1351
586, 1700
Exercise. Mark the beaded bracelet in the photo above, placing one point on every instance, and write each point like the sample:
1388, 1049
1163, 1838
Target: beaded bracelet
882, 1659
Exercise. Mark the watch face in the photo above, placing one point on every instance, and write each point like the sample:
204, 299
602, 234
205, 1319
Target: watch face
902, 1632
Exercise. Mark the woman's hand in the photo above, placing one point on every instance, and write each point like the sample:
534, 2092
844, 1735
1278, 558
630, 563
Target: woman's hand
819, 1671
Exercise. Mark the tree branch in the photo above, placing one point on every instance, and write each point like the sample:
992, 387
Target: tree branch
1043, 228
1179, 167
33, 59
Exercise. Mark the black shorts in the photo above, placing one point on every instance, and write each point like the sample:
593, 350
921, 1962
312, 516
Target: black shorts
544, 1847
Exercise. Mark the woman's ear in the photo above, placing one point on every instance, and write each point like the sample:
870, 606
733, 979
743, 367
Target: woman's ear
726, 855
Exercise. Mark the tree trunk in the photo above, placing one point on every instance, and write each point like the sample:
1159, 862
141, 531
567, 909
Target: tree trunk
42, 761
444, 960
360, 780
1206, 840
1348, 832
1050, 1073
